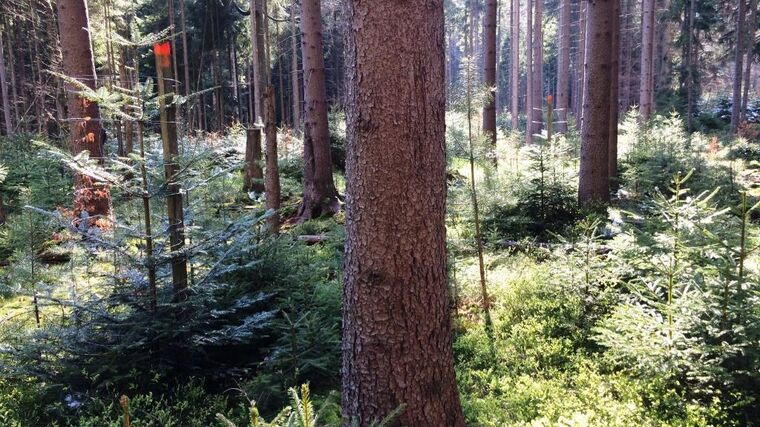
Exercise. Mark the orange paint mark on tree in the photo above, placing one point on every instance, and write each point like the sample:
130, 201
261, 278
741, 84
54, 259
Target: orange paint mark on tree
163, 50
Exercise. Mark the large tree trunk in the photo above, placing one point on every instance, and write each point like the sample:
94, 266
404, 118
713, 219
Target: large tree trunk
646, 90
396, 320
4, 89
86, 133
529, 74
515, 63
489, 74
272, 171
594, 171
538, 67
319, 193
175, 214
563, 66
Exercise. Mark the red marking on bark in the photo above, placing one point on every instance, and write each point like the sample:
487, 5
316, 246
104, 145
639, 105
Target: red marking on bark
163, 50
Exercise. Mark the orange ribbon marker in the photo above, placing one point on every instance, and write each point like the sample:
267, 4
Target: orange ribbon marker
163, 51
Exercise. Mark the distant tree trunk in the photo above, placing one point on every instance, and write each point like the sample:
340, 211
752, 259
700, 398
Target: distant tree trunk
563, 66
234, 77
126, 83
581, 66
185, 62
750, 43
736, 99
319, 193
626, 55
396, 320
175, 215
489, 74
594, 169
529, 74
515, 63
272, 171
614, 106
14, 82
296, 87
692, 9
538, 67
85, 129
646, 90
4, 88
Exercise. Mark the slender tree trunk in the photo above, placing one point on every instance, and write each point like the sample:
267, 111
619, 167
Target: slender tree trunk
594, 171
646, 90
272, 171
126, 83
614, 106
253, 173
296, 87
4, 89
529, 75
563, 66
175, 214
690, 70
538, 66
319, 193
234, 77
14, 83
185, 63
90, 196
515, 63
489, 74
581, 69
750, 44
737, 83
396, 320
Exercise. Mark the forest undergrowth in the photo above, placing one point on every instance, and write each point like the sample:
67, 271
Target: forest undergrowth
646, 313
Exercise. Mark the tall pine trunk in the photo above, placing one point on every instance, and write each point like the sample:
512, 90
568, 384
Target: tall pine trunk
646, 89
4, 88
594, 183
272, 170
736, 99
514, 45
538, 67
85, 129
529, 74
489, 74
396, 321
294, 69
319, 193
175, 214
563, 66
750, 45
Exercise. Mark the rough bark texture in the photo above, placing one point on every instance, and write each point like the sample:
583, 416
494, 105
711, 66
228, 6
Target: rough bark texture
396, 321
594, 171
581, 66
489, 72
272, 171
319, 194
515, 62
4, 89
175, 214
85, 129
646, 89
563, 66
614, 107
